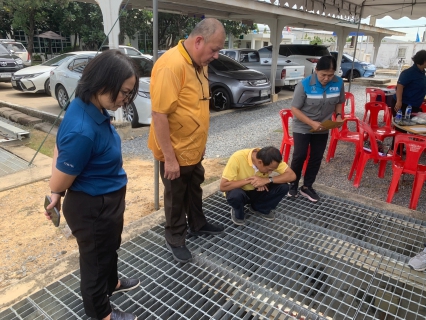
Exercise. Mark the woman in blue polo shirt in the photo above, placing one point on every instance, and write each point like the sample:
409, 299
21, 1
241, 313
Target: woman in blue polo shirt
315, 100
411, 85
88, 165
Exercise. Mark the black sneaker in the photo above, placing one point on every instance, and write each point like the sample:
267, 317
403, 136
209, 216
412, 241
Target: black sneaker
292, 191
267, 216
309, 193
238, 222
126, 285
120, 315
208, 228
180, 254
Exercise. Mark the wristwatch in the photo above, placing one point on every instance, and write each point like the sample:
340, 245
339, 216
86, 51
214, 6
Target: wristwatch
270, 180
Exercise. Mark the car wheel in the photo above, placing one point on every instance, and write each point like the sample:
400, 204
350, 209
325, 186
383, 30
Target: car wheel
62, 96
220, 99
131, 114
355, 74
47, 87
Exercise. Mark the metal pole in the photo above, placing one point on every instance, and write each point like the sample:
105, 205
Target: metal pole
356, 43
154, 57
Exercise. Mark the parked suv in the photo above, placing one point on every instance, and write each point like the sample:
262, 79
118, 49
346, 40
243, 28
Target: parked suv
302, 54
9, 64
361, 69
18, 49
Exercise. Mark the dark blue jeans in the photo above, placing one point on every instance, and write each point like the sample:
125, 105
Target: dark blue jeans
262, 201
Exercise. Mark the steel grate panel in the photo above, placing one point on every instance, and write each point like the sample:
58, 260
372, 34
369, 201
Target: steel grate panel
332, 260
10, 163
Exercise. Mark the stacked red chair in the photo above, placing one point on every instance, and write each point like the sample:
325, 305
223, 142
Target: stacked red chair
287, 141
344, 133
371, 116
362, 155
414, 145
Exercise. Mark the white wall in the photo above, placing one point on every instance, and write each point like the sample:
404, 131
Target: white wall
388, 52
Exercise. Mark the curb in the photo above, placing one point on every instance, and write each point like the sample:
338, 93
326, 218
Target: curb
44, 116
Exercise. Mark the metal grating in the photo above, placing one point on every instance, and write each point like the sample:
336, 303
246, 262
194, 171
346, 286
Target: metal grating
332, 260
10, 163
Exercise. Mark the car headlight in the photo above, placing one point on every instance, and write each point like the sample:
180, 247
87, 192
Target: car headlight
365, 67
255, 83
18, 61
28, 76
144, 94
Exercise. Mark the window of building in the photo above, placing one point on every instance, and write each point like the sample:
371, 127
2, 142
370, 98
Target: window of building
401, 52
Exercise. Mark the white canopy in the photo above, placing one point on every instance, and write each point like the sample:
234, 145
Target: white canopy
396, 9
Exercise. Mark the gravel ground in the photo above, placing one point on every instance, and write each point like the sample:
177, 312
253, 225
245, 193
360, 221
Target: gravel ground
261, 126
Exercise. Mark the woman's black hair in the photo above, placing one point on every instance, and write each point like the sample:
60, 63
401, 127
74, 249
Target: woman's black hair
269, 154
105, 74
419, 57
326, 63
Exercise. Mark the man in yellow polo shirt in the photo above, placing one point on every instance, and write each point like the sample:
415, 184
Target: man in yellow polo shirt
246, 179
180, 123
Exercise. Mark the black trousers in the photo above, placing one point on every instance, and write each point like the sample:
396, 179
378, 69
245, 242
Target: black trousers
318, 143
97, 223
262, 201
183, 198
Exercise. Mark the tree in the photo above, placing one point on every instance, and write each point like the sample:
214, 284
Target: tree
236, 28
28, 14
133, 22
316, 40
6, 19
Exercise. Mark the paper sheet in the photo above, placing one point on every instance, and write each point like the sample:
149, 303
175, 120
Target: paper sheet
329, 124
418, 129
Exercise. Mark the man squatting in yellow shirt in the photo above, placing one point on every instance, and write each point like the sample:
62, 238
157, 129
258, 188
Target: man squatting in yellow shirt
246, 179
178, 134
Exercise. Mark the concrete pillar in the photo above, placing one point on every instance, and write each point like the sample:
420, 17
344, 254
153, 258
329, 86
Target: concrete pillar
230, 41
341, 42
253, 43
276, 27
377, 41
110, 11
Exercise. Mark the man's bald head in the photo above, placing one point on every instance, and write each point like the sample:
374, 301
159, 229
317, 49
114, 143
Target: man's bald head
208, 28
205, 41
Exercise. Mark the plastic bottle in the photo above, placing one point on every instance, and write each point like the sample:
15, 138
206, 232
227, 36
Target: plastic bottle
398, 117
408, 112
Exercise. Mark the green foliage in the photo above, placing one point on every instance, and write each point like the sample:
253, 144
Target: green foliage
6, 18
316, 40
236, 28
133, 22
36, 57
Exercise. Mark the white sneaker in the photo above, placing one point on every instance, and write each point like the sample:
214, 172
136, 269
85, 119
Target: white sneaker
418, 262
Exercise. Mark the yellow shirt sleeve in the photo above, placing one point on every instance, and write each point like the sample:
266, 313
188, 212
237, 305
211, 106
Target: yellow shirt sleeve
165, 89
230, 172
282, 167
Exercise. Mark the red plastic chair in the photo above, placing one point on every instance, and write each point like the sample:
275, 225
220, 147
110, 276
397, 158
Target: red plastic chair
371, 116
423, 107
362, 155
414, 147
371, 94
350, 101
288, 141
343, 134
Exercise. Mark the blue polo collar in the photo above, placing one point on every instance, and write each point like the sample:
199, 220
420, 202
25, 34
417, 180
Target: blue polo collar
93, 112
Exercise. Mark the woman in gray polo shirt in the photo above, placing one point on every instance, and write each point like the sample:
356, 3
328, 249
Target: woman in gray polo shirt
315, 100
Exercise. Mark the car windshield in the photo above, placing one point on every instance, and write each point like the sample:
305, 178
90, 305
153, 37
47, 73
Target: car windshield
17, 47
309, 50
350, 58
225, 63
3, 50
57, 61
143, 65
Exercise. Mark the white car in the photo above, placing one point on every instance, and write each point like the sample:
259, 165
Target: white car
35, 79
18, 49
64, 80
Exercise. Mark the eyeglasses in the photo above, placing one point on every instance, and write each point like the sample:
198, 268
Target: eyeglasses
202, 89
126, 95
